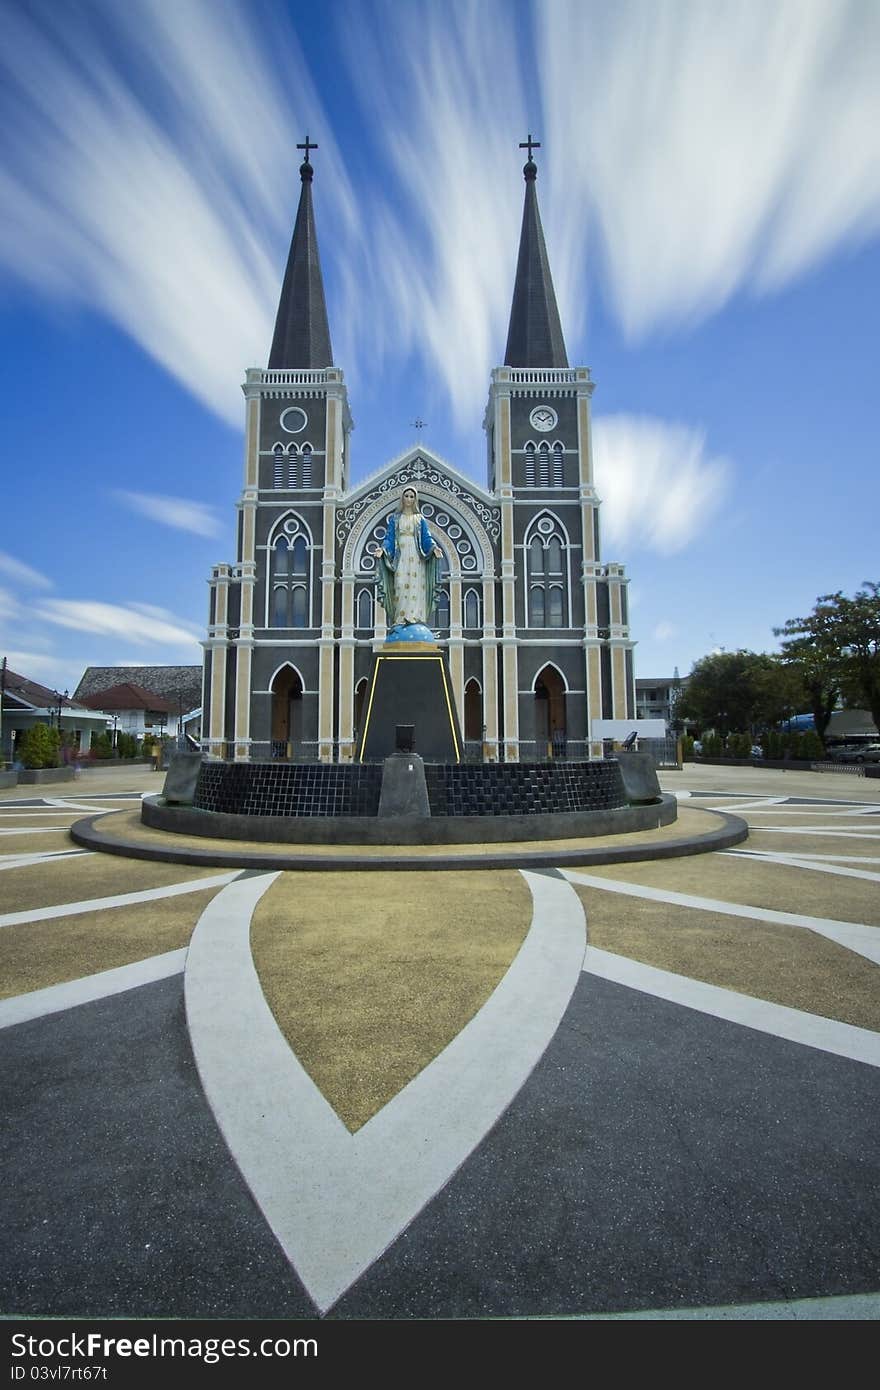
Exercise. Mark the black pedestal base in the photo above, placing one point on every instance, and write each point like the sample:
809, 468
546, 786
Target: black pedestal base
410, 687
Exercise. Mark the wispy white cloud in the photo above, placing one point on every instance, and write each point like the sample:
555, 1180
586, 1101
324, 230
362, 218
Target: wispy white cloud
22, 574
663, 631
178, 512
449, 132
140, 624
689, 152
658, 483
150, 173
715, 147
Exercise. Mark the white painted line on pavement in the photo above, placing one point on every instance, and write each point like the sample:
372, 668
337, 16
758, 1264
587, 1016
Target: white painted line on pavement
56, 998
855, 936
334, 1200
825, 1034
147, 895
795, 861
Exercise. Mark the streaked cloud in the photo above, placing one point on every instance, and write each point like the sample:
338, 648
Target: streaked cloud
150, 172
715, 148
23, 574
663, 631
659, 485
690, 152
131, 622
184, 515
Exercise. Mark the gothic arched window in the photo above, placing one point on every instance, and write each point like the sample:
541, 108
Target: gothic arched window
291, 466
364, 616
278, 466
546, 574
530, 464
288, 601
306, 465
544, 465
557, 464
472, 609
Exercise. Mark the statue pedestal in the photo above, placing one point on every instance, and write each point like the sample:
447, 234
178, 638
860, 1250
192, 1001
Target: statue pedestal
409, 684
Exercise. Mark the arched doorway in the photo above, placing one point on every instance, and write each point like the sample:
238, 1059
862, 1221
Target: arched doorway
287, 693
360, 695
473, 712
550, 726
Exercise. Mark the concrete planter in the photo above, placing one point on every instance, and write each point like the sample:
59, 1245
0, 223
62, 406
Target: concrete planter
32, 776
8, 779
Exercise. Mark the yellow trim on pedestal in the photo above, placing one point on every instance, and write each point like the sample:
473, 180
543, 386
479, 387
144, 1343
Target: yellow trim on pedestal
392, 652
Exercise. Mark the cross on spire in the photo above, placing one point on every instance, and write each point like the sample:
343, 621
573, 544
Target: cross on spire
418, 423
529, 144
309, 146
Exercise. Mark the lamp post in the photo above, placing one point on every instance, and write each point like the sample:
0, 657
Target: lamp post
56, 708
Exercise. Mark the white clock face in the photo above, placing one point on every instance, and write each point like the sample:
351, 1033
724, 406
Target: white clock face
543, 418
293, 419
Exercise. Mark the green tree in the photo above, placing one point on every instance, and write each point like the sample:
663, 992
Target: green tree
729, 691
841, 637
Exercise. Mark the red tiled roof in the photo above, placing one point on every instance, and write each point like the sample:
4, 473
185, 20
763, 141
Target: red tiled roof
127, 696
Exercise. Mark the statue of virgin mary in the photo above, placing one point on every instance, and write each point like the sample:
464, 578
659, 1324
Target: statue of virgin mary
408, 571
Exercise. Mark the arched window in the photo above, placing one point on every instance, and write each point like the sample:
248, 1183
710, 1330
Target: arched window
557, 464
278, 467
299, 567
307, 465
547, 574
299, 606
280, 559
365, 609
472, 608
441, 610
544, 465
530, 464
291, 466
537, 616
289, 598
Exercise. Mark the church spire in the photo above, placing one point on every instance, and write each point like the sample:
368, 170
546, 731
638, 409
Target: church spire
302, 333
534, 338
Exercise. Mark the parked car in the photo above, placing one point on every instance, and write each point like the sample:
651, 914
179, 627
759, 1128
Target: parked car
855, 753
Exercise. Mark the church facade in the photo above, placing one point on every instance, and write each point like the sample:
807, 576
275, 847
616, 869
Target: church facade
534, 622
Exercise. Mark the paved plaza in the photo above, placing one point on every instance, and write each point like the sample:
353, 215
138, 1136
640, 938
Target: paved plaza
617, 1090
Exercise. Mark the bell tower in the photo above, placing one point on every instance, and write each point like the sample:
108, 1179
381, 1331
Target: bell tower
564, 624
272, 613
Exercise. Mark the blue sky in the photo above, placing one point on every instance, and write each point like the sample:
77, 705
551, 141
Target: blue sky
709, 184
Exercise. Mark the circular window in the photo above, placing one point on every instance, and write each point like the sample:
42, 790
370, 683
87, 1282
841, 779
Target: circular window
545, 526
469, 562
427, 509
367, 561
442, 519
380, 532
294, 419
291, 526
454, 532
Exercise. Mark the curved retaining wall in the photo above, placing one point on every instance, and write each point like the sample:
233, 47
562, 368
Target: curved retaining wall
407, 830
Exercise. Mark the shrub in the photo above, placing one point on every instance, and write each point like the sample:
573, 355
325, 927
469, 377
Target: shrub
36, 747
739, 745
126, 745
102, 745
687, 748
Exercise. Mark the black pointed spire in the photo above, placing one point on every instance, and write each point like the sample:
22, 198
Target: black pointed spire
302, 332
534, 338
